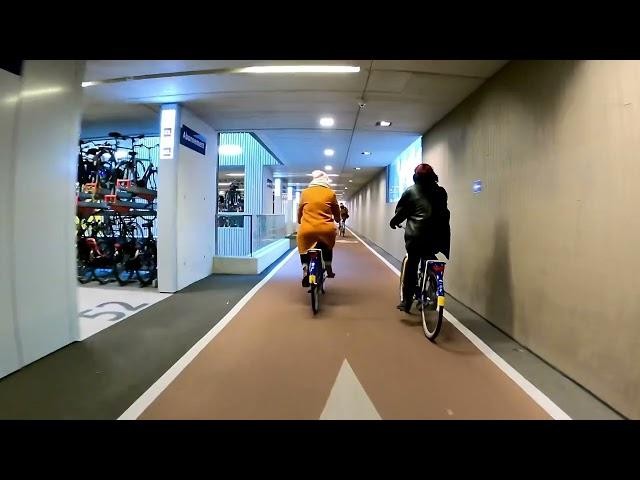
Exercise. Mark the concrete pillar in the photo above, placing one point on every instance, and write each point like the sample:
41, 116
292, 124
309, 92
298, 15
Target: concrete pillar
38, 208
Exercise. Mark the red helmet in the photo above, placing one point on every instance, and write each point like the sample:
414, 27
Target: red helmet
424, 173
423, 169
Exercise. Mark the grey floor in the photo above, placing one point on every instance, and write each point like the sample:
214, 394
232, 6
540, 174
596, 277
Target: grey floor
575, 400
100, 377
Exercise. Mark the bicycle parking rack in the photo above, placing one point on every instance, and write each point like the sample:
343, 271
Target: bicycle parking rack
144, 193
121, 204
88, 209
93, 190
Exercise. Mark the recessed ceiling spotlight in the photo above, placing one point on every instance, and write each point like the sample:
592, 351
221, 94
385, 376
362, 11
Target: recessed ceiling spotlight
383, 123
327, 122
329, 152
366, 153
328, 168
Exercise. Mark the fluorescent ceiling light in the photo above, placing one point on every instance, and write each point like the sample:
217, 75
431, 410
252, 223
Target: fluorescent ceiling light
229, 149
350, 181
357, 168
366, 153
328, 168
299, 69
224, 184
327, 122
234, 174
328, 174
88, 84
329, 152
383, 123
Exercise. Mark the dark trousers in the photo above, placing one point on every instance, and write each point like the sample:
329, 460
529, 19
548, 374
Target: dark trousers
327, 254
411, 272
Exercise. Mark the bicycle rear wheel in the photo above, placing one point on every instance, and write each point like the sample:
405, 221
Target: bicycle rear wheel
431, 313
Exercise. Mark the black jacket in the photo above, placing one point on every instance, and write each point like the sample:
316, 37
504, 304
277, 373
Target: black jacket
424, 207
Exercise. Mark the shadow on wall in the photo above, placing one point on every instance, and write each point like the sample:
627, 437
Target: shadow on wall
499, 280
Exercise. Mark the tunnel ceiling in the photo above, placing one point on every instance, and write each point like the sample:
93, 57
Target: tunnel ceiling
284, 109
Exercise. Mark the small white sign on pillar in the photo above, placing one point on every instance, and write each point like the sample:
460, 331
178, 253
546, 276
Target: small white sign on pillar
167, 132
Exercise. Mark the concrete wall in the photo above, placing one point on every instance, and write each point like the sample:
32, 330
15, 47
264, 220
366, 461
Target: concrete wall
548, 251
40, 127
10, 359
196, 211
369, 215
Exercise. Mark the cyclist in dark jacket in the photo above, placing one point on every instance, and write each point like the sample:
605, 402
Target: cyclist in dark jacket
427, 232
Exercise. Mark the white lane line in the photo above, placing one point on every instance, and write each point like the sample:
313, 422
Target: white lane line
148, 397
540, 398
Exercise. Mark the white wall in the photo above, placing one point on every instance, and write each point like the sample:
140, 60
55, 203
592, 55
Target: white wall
197, 194
39, 131
10, 358
187, 197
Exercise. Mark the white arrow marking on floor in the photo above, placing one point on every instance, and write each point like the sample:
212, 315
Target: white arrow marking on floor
348, 399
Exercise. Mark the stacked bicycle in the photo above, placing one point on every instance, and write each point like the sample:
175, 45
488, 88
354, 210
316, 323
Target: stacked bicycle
116, 200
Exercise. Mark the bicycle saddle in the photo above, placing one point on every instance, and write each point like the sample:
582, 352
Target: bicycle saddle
92, 151
116, 135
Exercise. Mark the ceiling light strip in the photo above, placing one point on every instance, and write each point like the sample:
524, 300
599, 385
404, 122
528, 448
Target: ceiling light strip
231, 71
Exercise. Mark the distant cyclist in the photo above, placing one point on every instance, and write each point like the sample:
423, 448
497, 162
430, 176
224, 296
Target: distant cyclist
344, 214
427, 231
318, 213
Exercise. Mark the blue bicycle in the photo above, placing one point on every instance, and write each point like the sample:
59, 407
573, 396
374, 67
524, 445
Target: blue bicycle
317, 277
429, 294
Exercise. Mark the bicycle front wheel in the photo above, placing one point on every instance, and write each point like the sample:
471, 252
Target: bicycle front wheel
85, 272
123, 271
148, 268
